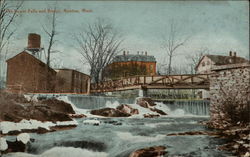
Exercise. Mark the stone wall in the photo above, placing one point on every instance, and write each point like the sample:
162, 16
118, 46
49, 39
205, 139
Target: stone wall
228, 83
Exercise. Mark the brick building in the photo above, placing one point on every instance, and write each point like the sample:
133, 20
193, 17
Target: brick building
130, 65
72, 81
26, 73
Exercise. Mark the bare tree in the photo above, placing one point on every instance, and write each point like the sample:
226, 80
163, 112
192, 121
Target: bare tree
171, 43
98, 44
51, 31
196, 57
8, 14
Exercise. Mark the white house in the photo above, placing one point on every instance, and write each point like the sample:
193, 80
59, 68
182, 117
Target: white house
207, 62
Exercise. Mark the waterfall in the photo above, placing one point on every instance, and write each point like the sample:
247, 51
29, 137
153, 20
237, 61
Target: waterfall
195, 107
96, 102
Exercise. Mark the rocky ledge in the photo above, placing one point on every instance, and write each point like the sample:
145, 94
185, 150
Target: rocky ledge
125, 110
156, 151
28, 114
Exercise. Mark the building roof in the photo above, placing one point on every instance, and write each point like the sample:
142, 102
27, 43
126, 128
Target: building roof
223, 60
66, 69
31, 56
127, 58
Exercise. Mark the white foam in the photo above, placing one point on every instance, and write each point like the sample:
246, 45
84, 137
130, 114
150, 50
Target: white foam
24, 138
155, 125
3, 144
127, 136
92, 122
112, 105
62, 152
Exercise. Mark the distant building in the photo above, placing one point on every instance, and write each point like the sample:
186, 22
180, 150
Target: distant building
208, 61
72, 81
130, 65
26, 73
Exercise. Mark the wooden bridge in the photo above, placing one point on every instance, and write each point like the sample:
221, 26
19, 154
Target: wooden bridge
190, 81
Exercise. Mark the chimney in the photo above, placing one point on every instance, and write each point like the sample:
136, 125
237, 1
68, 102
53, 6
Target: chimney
124, 53
234, 54
138, 52
230, 53
146, 53
34, 41
127, 52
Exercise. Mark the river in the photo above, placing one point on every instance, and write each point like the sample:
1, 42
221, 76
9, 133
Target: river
118, 137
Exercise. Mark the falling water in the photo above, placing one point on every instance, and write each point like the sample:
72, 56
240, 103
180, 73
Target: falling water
195, 107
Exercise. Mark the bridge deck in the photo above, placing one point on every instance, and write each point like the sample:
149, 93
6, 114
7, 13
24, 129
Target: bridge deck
190, 81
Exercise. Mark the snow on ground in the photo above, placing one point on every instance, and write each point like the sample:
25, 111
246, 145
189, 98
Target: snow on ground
31, 97
127, 136
3, 144
6, 126
23, 137
62, 152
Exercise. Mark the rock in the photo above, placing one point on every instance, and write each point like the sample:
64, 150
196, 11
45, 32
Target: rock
156, 151
16, 146
127, 109
145, 102
77, 116
113, 122
58, 105
150, 115
195, 133
158, 111
43, 110
110, 112
41, 130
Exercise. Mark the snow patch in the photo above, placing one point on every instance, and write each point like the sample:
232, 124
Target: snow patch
24, 138
7, 126
31, 97
3, 144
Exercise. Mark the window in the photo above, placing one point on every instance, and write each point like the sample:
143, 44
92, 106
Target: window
203, 64
151, 68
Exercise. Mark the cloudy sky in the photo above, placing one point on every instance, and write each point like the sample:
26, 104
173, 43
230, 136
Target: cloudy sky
219, 26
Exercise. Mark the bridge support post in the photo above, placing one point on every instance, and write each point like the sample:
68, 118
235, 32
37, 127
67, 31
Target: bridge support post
143, 92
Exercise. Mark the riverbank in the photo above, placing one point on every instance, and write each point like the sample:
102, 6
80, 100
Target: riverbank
30, 114
237, 136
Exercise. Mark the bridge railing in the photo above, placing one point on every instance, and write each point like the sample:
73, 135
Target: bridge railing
163, 81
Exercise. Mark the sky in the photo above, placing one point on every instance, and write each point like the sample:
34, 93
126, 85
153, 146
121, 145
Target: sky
219, 26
